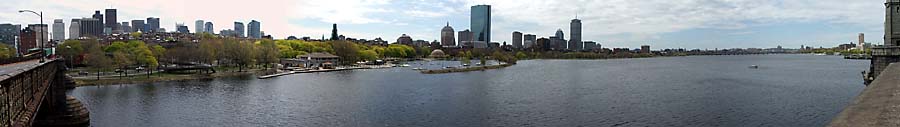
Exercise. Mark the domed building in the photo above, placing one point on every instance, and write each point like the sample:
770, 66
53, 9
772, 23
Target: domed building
438, 53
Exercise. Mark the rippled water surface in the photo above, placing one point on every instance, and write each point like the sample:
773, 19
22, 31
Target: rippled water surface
786, 90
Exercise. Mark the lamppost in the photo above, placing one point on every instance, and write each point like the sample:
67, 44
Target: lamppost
41, 15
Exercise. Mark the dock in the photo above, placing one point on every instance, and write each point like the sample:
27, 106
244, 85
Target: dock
323, 70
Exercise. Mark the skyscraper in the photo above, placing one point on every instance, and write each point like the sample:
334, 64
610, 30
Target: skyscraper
98, 16
529, 40
75, 29
560, 34
481, 23
41, 32
253, 29
59, 30
152, 25
111, 22
8, 33
198, 26
465, 38
91, 27
181, 28
447, 37
239, 29
208, 28
575, 43
334, 32
517, 39
138, 25
862, 41
126, 27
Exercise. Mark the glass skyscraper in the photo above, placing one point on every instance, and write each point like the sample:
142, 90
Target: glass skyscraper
481, 23
253, 29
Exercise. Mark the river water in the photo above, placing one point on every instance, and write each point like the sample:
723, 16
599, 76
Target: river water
786, 90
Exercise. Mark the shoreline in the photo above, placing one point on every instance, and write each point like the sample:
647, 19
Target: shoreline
158, 78
467, 69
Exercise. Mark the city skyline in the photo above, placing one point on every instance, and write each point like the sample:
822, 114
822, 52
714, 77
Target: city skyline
732, 24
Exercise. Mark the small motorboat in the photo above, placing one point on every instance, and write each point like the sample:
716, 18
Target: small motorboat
754, 67
404, 65
418, 69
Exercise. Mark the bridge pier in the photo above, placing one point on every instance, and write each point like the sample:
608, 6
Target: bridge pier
59, 109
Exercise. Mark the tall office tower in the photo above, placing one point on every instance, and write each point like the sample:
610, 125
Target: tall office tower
481, 23
238, 29
41, 32
560, 34
59, 30
447, 36
334, 32
253, 29
111, 21
862, 41
208, 28
517, 40
181, 28
75, 29
152, 25
8, 34
198, 26
575, 43
138, 26
465, 38
98, 16
91, 27
529, 40
126, 27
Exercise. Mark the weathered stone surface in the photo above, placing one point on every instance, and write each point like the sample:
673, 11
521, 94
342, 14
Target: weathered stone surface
877, 106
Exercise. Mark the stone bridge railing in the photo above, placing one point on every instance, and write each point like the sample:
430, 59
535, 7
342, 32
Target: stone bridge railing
38, 93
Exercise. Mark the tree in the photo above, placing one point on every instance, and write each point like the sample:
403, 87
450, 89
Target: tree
95, 57
70, 49
241, 53
268, 52
348, 52
7, 51
368, 55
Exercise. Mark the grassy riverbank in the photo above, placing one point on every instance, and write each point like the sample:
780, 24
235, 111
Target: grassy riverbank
162, 77
467, 69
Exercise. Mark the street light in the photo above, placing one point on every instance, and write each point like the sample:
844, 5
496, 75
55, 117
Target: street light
41, 15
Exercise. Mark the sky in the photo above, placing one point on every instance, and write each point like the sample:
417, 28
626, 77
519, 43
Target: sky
691, 24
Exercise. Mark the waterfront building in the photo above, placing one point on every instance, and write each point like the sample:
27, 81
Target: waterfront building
862, 41
137, 25
405, 40
447, 36
27, 40
90, 27
59, 30
465, 38
590, 46
334, 32
239, 29
152, 25
645, 48
181, 28
111, 21
575, 43
208, 28
481, 23
75, 29
198, 26
8, 34
517, 40
529, 40
253, 29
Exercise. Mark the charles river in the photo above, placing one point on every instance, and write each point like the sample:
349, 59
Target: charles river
786, 90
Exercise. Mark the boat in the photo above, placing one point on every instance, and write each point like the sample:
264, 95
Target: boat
418, 69
404, 65
754, 66
820, 54
449, 67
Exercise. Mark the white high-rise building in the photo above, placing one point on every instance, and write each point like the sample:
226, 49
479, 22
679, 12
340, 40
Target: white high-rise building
75, 29
59, 30
198, 26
